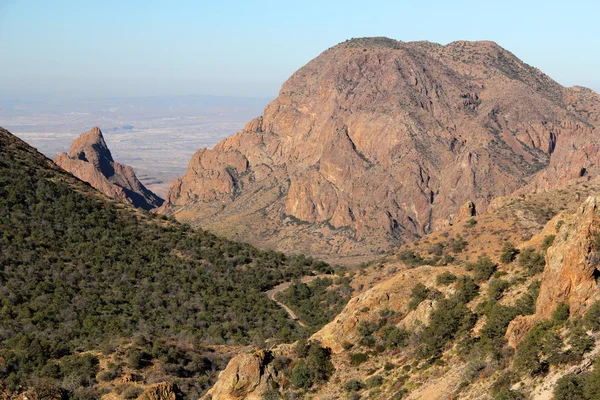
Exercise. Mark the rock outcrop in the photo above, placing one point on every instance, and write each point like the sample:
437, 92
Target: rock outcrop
91, 161
571, 270
393, 294
161, 391
377, 141
247, 376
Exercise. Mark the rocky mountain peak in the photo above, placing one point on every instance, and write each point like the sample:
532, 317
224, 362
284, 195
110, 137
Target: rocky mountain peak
90, 160
377, 141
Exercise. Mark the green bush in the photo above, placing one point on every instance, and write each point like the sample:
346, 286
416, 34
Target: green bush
482, 269
301, 376
445, 278
374, 381
532, 260
509, 253
418, 294
496, 289
561, 314
580, 343
592, 317
358, 358
540, 348
319, 363
353, 385
548, 240
394, 337
466, 289
570, 387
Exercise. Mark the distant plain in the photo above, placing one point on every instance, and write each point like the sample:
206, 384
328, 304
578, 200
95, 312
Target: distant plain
155, 135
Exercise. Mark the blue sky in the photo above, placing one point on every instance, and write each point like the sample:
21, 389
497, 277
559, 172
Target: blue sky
248, 48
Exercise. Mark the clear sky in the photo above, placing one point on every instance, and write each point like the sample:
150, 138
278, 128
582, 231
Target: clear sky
90, 48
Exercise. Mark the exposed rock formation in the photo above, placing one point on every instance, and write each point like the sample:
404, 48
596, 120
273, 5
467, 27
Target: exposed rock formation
378, 141
393, 294
247, 376
571, 269
161, 391
90, 160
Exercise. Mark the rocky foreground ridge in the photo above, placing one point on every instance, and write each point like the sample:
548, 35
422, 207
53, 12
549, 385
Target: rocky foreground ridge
529, 325
376, 142
90, 160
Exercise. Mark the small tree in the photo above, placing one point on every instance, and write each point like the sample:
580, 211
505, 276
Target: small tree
509, 253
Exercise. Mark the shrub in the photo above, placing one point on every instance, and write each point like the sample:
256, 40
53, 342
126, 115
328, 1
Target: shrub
592, 317
358, 358
497, 288
580, 342
532, 260
367, 328
107, 375
540, 348
419, 293
466, 289
319, 363
368, 341
508, 394
451, 318
569, 387
131, 392
509, 253
445, 278
394, 337
301, 376
561, 314
353, 385
548, 240
271, 394
411, 259
458, 244
374, 381
471, 222
136, 359
482, 269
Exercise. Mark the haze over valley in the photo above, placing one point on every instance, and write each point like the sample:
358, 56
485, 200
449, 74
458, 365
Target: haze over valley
155, 135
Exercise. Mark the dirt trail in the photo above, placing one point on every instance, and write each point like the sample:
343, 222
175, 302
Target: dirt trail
284, 286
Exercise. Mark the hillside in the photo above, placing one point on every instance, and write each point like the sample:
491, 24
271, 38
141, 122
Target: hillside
505, 305
99, 297
377, 142
90, 160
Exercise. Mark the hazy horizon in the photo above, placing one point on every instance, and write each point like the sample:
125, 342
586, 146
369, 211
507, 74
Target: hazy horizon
71, 50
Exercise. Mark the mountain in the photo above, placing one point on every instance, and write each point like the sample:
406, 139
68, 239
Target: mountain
90, 160
98, 296
506, 306
377, 142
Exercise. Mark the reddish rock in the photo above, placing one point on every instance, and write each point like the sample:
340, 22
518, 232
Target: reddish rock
90, 160
377, 141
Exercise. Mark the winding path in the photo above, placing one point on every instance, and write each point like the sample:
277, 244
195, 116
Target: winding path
284, 286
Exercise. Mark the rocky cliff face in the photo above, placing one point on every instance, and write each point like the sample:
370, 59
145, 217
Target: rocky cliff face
90, 160
378, 141
571, 269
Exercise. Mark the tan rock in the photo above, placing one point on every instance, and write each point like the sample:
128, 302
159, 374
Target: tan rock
570, 272
161, 391
392, 293
91, 161
376, 142
247, 376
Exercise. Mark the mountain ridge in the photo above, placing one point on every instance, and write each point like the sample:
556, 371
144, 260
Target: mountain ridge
376, 142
